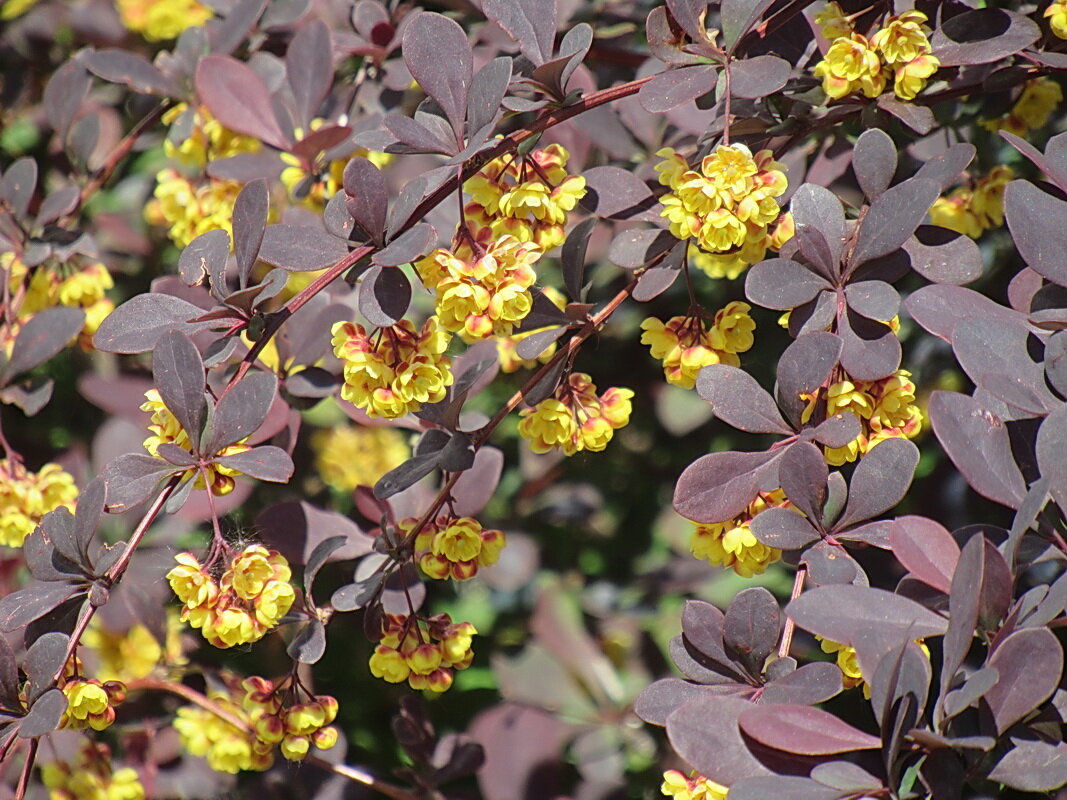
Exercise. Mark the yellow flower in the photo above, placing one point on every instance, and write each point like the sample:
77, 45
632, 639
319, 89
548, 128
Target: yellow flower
1056, 14
851, 65
422, 655
695, 787
188, 208
10, 9
904, 38
91, 776
1032, 110
91, 704
159, 20
910, 78
226, 747
135, 653
313, 188
26, 496
987, 200
455, 547
956, 213
685, 346
732, 544
833, 22
347, 456
575, 418
847, 662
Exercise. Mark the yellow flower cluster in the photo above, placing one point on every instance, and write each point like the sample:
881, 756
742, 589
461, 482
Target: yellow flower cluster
423, 653
253, 594
886, 409
347, 456
314, 184
527, 197
294, 728
1032, 110
510, 361
454, 547
226, 747
27, 496
685, 344
90, 703
159, 20
91, 776
34, 290
1056, 14
397, 370
732, 544
191, 206
848, 663
165, 428
695, 787
728, 206
853, 63
135, 653
483, 288
575, 418
971, 211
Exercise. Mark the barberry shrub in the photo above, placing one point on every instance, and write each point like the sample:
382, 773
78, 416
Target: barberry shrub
519, 399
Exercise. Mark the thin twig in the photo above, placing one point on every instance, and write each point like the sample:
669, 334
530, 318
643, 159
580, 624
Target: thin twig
790, 626
27, 768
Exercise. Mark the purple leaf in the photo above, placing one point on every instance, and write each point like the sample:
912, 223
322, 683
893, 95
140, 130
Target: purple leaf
205, 256
531, 23
309, 68
654, 282
783, 528
309, 644
129, 69
658, 700
880, 481
716, 751
21, 607
240, 411
782, 284
488, 87
296, 529
18, 184
986, 351
738, 16
476, 486
759, 76
409, 246
719, 486
803, 368
702, 639
133, 478
870, 350
812, 245
384, 295
842, 612
240, 18
407, 474
616, 193
1051, 163
265, 463
572, 257
926, 549
808, 685
44, 659
1038, 224
873, 299
874, 160
673, 88
945, 169
238, 98
977, 442
1051, 441
944, 256
9, 676
635, 247
300, 248
438, 55
893, 218
58, 203
46, 333
178, 373
802, 474
919, 118
354, 596
804, 730
982, 36
831, 564
779, 786
250, 211
838, 430
63, 95
940, 308
44, 716
1030, 664
414, 137
366, 197
902, 673
821, 209
690, 15
972, 690
1033, 765
751, 626
738, 400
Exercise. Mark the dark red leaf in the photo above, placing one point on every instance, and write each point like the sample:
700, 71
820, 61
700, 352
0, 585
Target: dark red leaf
759, 76
1038, 223
531, 23
870, 349
807, 685
309, 69
838, 430
488, 87
438, 55
1033, 765
130, 69
738, 16
240, 411
1053, 162
300, 248
821, 209
803, 730
738, 400
751, 626
843, 612
944, 256
945, 168
635, 247
880, 481
18, 184
673, 88
717, 751
265, 463
926, 549
205, 256
178, 373
802, 473
803, 368
893, 218
616, 193
781, 786
384, 295
939, 309
44, 716
64, 93
409, 246
874, 160
44, 335
654, 282
21, 607
873, 299
983, 35
238, 98
719, 486
1030, 664
250, 211
366, 197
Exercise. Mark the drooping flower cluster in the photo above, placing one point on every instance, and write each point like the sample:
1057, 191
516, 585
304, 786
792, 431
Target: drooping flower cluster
165, 428
159, 20
886, 409
46, 285
853, 64
253, 594
90, 703
971, 211
506, 346
1056, 14
135, 653
395, 371
732, 544
575, 418
527, 196
695, 787
91, 776
425, 653
454, 547
482, 289
294, 727
188, 202
27, 496
728, 207
1032, 110
347, 456
226, 747
685, 344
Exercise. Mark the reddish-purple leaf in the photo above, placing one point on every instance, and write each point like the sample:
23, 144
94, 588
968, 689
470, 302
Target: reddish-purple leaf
300, 248
130, 69
205, 256
18, 184
295, 529
488, 87
842, 612
783, 528
807, 685
438, 55
738, 400
781, 786
802, 473
870, 349
944, 256
873, 299
265, 463
250, 211
366, 197
1033, 765
1038, 224
58, 203
982, 36
44, 716
880, 481
717, 751
531, 23
670, 89
893, 218
21, 607
804, 730
409, 246
234, 29
178, 373
64, 93
309, 68
238, 98
690, 14
803, 368
133, 478
1052, 162
384, 295
738, 16
476, 486
718, 486
940, 308
759, 76
838, 430
309, 643
42, 337
926, 549
1051, 441
616, 193
945, 169
977, 442
782, 284
1030, 664
635, 247
821, 209
751, 626
874, 160
654, 282
240, 411
658, 700
702, 638
828, 563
